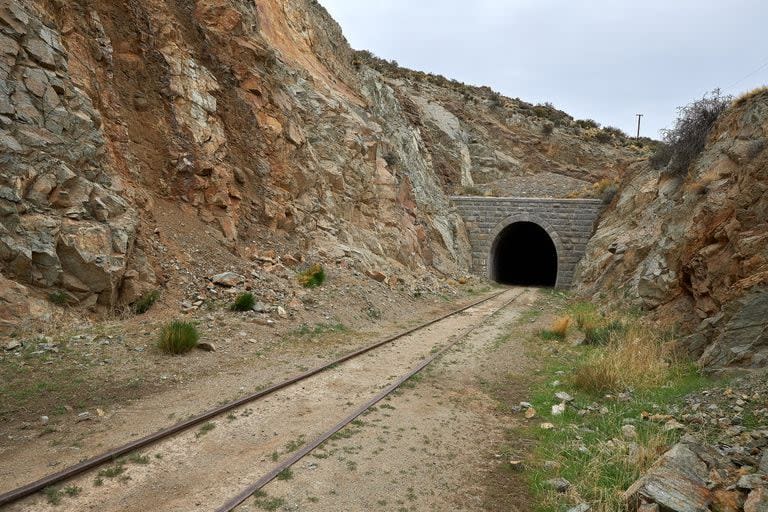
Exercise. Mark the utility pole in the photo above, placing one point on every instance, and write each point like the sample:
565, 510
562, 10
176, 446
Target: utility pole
638, 124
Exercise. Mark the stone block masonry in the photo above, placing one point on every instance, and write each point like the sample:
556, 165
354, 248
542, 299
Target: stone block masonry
569, 222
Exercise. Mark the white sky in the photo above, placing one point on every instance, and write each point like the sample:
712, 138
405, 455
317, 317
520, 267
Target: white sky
600, 59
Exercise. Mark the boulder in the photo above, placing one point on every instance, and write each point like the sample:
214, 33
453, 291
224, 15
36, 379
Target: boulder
678, 480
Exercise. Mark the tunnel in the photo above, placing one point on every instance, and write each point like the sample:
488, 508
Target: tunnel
524, 254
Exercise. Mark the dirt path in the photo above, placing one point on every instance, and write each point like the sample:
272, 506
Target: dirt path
431, 445
199, 470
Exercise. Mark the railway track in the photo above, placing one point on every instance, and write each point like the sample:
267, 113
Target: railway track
15, 495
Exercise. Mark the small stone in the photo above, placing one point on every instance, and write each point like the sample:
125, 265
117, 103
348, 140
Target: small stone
550, 465
227, 279
376, 275
546, 426
525, 405
260, 307
581, 507
206, 346
648, 507
530, 412
629, 432
673, 425
752, 481
44, 420
99, 413
516, 465
84, 416
281, 312
558, 409
12, 345
563, 396
559, 484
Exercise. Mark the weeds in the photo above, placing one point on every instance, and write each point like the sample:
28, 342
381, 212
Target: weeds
558, 330
58, 297
52, 495
145, 302
204, 429
243, 302
312, 277
178, 337
286, 474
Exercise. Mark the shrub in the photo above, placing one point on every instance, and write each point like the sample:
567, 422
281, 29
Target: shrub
687, 138
312, 277
547, 129
58, 297
178, 337
597, 334
587, 124
603, 137
391, 159
615, 132
243, 302
145, 302
609, 193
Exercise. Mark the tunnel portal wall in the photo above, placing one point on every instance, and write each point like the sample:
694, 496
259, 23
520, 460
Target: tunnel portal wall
569, 223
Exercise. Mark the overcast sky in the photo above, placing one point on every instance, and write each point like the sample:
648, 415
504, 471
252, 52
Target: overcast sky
600, 59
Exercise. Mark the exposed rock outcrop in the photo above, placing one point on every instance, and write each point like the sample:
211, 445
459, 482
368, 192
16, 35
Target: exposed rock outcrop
257, 119
695, 248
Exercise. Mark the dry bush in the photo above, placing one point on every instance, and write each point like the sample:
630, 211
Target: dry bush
687, 138
560, 326
633, 358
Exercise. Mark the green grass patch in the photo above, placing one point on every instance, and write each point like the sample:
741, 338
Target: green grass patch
204, 429
312, 277
286, 474
243, 302
145, 302
178, 337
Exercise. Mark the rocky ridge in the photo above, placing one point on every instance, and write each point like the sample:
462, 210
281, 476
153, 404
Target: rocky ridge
694, 248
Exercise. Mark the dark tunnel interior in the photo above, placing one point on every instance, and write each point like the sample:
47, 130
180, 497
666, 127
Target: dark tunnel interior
524, 254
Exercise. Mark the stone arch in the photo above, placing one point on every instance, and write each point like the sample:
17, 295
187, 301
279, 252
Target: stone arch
494, 237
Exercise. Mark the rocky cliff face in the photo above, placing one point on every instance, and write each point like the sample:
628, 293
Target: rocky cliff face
695, 249
253, 121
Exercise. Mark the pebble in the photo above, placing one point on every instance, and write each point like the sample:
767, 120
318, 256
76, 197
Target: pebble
558, 409
84, 416
559, 484
563, 396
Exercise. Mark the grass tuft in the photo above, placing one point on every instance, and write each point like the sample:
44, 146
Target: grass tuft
145, 302
178, 337
633, 358
58, 297
558, 330
243, 302
312, 277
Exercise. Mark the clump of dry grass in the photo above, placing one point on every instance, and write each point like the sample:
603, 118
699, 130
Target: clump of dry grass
558, 330
632, 358
749, 95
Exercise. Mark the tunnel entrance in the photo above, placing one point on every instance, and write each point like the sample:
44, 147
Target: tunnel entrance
524, 254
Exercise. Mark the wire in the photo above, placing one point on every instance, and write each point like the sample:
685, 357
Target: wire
765, 65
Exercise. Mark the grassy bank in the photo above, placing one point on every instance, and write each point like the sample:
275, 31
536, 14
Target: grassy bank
620, 380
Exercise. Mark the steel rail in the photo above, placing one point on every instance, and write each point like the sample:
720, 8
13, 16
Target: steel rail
109, 456
233, 503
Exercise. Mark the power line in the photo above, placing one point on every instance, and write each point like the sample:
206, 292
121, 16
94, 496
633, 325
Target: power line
737, 82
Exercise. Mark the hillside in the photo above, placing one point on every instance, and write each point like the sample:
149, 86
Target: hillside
150, 145
693, 248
